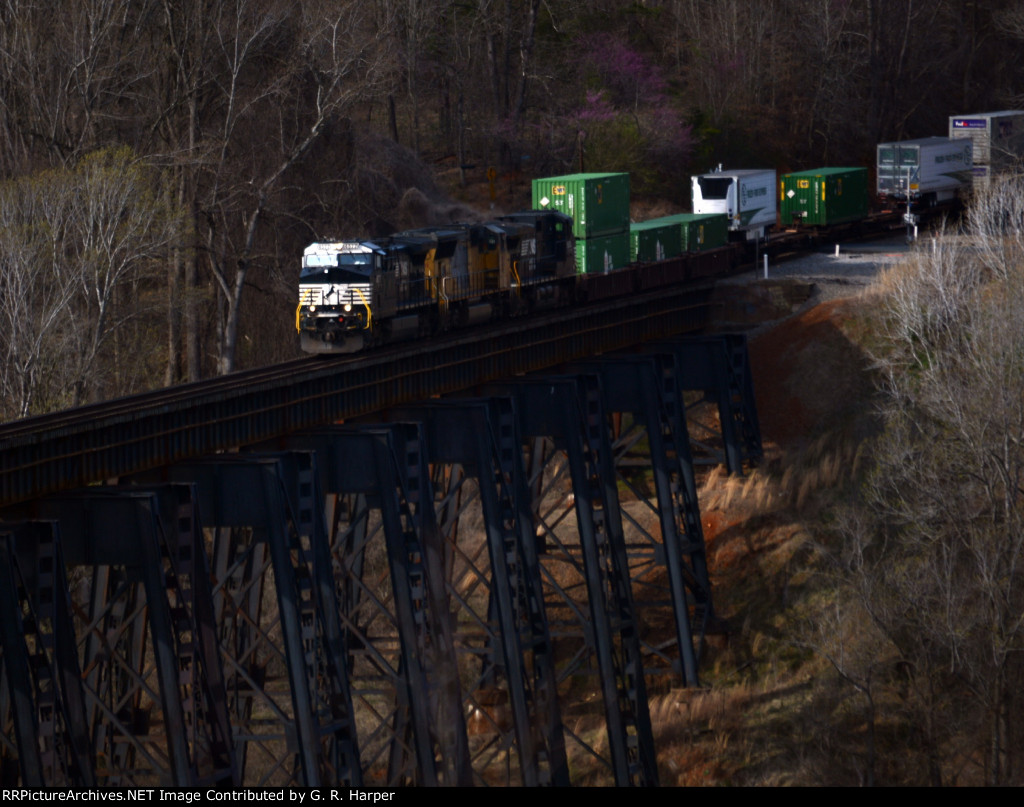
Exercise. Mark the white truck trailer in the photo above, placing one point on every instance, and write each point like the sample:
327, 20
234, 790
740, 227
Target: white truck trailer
927, 170
997, 138
747, 197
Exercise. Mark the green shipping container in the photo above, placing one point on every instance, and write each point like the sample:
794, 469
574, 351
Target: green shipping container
651, 241
595, 256
598, 203
699, 231
823, 196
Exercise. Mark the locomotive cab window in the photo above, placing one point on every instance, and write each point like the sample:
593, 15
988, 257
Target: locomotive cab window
349, 268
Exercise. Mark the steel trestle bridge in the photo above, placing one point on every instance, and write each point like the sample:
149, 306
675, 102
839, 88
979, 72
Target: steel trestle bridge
323, 573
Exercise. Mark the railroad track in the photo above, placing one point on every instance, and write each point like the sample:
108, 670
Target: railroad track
102, 441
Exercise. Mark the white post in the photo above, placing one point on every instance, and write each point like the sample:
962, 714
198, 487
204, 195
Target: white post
766, 266
837, 250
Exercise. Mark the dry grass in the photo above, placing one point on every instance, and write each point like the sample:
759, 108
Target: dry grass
753, 727
701, 734
787, 482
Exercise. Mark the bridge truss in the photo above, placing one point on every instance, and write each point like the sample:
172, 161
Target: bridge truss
415, 597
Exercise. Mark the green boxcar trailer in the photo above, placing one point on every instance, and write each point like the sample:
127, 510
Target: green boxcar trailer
603, 253
823, 196
598, 203
698, 231
654, 241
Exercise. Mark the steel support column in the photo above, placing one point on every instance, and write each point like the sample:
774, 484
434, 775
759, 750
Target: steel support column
145, 587
384, 470
646, 390
40, 678
718, 367
569, 410
481, 437
302, 726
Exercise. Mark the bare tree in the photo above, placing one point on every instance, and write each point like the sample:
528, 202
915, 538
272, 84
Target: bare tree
845, 636
121, 228
36, 291
733, 54
70, 73
941, 569
835, 58
266, 128
71, 243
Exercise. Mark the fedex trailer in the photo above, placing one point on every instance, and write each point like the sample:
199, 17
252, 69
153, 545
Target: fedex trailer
997, 139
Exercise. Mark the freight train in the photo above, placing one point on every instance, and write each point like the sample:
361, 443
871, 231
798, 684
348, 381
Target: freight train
577, 244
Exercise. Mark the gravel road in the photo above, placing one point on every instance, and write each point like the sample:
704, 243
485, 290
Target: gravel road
843, 276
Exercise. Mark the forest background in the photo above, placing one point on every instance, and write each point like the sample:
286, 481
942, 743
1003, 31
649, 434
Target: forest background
164, 162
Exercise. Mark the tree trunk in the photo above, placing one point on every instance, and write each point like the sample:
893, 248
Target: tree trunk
175, 278
392, 118
525, 53
193, 349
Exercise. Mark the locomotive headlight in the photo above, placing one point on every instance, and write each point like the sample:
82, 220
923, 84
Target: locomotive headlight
312, 308
348, 307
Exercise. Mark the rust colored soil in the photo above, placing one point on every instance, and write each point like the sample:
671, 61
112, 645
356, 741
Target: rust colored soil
807, 374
